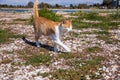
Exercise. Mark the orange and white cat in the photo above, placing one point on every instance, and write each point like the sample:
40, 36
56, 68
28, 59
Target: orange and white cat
43, 26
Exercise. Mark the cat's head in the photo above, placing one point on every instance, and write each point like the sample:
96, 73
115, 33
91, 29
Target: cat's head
66, 25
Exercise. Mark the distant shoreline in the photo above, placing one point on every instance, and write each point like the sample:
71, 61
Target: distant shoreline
56, 10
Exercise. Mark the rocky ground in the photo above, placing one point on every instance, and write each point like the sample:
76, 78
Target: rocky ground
82, 42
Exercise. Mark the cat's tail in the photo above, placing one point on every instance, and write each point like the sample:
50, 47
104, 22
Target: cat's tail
35, 9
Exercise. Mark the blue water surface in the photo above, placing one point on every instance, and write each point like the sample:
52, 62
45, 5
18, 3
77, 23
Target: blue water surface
56, 10
13, 10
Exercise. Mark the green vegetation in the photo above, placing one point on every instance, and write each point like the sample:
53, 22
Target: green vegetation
15, 21
80, 65
104, 22
79, 69
43, 74
115, 15
103, 32
19, 19
37, 59
75, 34
93, 49
88, 16
5, 36
108, 39
48, 14
69, 55
34, 56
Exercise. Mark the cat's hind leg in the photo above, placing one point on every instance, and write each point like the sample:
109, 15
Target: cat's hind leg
36, 39
57, 41
55, 47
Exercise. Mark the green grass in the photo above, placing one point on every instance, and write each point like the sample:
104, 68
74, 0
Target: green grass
16, 21
77, 71
75, 34
105, 22
104, 32
69, 55
88, 16
19, 19
80, 64
94, 61
67, 75
43, 74
38, 59
99, 33
108, 39
104, 25
93, 49
49, 14
35, 56
115, 15
5, 36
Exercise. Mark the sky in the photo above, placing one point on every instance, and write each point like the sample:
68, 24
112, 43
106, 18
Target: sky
62, 2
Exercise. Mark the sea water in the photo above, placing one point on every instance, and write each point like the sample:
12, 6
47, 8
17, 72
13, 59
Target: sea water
54, 10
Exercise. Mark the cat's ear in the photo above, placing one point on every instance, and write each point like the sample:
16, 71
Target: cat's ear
64, 22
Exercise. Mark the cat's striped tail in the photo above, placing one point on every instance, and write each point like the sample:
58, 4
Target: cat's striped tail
35, 9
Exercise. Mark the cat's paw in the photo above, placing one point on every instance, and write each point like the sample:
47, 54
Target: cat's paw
55, 50
37, 44
68, 50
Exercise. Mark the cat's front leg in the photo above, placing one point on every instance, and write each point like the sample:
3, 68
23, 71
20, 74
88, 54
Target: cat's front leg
57, 41
64, 46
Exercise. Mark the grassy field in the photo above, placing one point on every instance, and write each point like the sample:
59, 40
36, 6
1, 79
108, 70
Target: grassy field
6, 36
96, 20
93, 38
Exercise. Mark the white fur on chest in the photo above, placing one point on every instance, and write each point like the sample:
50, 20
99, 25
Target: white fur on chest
57, 39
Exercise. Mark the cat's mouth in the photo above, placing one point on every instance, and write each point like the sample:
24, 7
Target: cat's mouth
66, 29
70, 28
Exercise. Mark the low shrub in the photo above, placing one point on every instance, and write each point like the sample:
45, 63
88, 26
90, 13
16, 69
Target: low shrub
48, 14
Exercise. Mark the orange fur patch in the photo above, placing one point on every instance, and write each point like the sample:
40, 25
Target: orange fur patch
66, 23
45, 26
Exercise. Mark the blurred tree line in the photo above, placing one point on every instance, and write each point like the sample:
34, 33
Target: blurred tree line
106, 3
